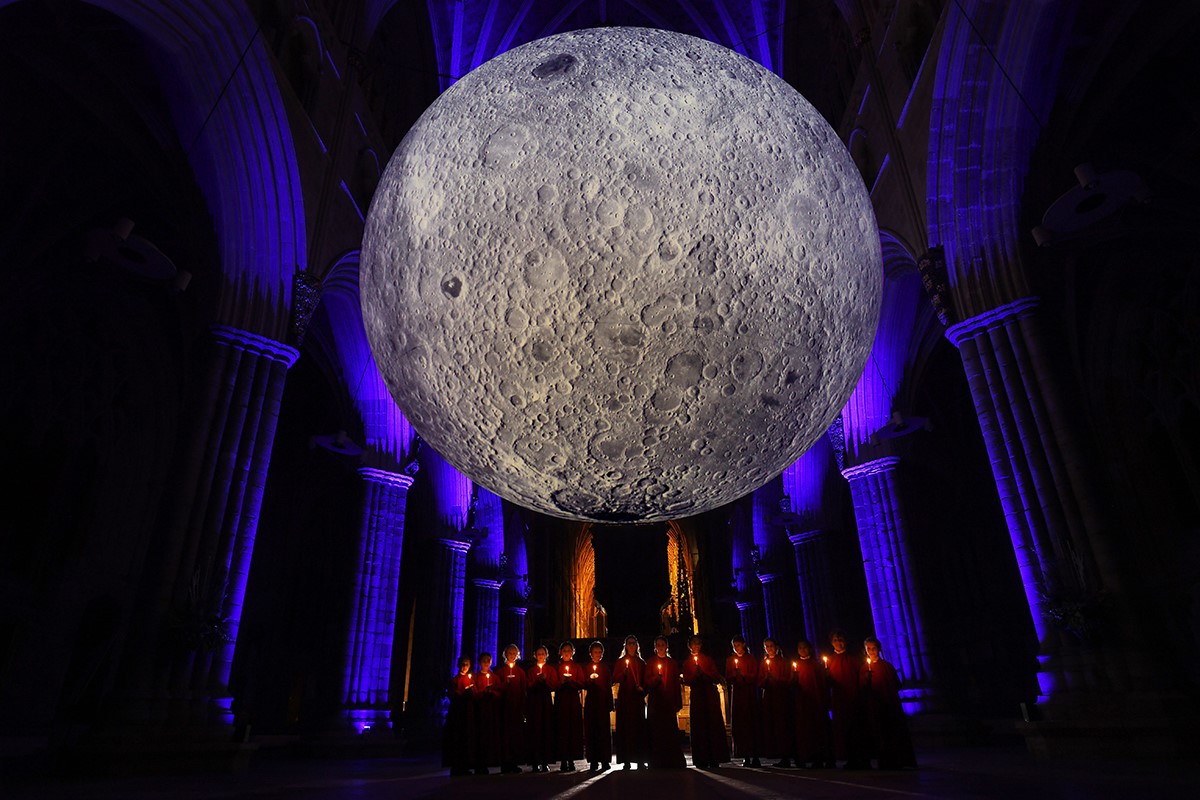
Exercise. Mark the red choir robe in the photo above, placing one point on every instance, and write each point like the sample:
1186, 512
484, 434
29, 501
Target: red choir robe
513, 742
568, 711
811, 722
458, 742
774, 680
843, 686
664, 699
597, 705
879, 728
539, 713
741, 673
709, 745
629, 739
487, 719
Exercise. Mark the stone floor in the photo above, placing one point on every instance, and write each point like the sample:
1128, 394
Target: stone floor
959, 773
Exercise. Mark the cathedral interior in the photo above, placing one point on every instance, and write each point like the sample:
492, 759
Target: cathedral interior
221, 529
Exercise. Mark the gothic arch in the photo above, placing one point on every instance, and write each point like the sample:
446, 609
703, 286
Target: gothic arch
238, 144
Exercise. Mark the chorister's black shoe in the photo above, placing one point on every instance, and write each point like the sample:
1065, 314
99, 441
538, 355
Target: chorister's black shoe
783, 762
594, 766
604, 765
570, 766
645, 765
754, 762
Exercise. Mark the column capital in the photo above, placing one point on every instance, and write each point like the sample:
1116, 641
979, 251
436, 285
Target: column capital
743, 605
520, 611
874, 467
254, 343
395, 479
1001, 315
455, 544
805, 536
768, 577
486, 583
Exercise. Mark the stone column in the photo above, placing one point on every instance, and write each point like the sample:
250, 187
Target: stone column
895, 605
512, 626
1044, 490
814, 573
183, 643
776, 610
750, 615
487, 618
368, 657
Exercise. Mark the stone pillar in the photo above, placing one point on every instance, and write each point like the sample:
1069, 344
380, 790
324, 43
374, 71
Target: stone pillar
1044, 491
895, 605
814, 573
368, 657
776, 611
512, 626
750, 615
182, 645
487, 618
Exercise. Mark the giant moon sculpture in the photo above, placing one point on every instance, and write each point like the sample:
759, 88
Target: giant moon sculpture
621, 274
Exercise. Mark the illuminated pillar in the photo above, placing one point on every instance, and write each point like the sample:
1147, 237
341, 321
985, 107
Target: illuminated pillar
512, 625
487, 617
183, 641
814, 574
373, 617
1041, 479
895, 606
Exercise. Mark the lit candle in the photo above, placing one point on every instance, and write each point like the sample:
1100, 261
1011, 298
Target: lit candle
868, 663
696, 659
468, 676
627, 662
826, 660
735, 663
793, 665
660, 667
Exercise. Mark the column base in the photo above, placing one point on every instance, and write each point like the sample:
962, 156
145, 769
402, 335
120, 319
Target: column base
1133, 725
369, 721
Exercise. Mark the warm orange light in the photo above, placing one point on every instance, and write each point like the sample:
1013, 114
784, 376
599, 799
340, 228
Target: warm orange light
793, 665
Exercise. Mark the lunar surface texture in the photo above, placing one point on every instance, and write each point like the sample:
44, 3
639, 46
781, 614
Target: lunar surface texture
621, 274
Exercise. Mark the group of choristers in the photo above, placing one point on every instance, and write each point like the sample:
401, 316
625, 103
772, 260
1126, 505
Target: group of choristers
807, 710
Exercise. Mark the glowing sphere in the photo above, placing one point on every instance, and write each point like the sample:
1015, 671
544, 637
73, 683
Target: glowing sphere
621, 274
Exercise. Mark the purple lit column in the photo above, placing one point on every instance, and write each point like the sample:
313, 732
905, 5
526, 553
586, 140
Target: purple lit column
512, 625
745, 577
775, 609
198, 578
484, 572
1039, 477
244, 454
895, 607
780, 592
440, 607
487, 616
373, 621
813, 569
